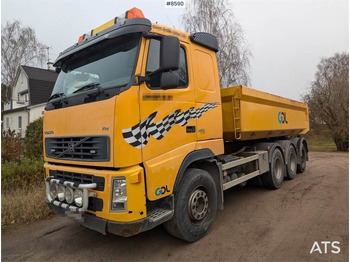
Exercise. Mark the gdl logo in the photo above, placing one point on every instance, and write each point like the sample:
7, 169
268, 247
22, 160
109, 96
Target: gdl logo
282, 117
161, 190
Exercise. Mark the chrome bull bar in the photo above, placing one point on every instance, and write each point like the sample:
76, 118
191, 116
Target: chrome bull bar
70, 207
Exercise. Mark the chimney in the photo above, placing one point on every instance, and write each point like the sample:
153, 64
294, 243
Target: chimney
50, 66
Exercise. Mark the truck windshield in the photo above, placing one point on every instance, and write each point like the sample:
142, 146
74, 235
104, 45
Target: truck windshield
109, 64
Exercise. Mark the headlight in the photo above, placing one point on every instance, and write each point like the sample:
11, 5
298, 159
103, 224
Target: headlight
119, 198
60, 192
78, 197
69, 195
53, 191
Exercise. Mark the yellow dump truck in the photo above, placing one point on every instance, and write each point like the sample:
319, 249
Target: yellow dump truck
138, 132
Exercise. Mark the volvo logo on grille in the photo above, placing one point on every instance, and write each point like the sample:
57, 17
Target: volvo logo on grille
71, 147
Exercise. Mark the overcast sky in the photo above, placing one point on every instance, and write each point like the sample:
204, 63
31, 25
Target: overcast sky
287, 38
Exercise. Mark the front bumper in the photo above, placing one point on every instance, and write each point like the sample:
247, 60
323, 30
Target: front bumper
155, 217
97, 189
84, 187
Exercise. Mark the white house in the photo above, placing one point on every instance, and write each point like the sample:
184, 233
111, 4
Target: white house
32, 88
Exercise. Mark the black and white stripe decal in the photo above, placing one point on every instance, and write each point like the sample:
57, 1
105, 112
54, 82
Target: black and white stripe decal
138, 135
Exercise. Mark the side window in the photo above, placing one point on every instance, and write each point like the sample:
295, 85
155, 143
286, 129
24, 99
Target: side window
153, 64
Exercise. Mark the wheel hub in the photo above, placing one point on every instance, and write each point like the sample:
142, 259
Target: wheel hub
278, 168
293, 162
198, 205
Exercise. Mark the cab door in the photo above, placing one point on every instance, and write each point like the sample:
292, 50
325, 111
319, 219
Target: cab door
167, 123
166, 113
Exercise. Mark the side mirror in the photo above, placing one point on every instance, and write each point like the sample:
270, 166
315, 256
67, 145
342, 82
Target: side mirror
169, 80
169, 53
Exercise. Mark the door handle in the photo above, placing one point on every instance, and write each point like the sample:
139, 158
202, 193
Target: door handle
190, 129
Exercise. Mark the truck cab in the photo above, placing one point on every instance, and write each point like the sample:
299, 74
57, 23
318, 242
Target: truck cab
133, 130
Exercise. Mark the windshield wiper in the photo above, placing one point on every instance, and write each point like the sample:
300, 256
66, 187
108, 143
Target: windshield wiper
56, 95
89, 86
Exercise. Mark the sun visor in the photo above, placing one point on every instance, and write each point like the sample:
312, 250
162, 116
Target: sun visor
135, 25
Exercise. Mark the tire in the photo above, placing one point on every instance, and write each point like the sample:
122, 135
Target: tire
291, 160
195, 206
302, 166
274, 178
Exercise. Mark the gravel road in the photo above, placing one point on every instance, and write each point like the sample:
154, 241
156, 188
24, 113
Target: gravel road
257, 224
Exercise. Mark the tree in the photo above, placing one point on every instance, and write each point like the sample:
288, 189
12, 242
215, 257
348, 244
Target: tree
216, 18
328, 99
19, 46
5, 94
33, 139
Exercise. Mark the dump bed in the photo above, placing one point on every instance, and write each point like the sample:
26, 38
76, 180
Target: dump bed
251, 114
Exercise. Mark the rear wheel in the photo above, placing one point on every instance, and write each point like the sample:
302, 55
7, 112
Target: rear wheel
195, 206
302, 166
274, 178
291, 160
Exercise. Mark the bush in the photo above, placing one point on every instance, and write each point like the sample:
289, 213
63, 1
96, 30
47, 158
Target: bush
23, 192
11, 146
21, 175
34, 139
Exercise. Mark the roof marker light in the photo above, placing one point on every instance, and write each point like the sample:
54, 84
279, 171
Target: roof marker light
81, 38
119, 20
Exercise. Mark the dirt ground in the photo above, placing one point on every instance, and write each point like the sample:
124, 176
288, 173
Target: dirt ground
257, 224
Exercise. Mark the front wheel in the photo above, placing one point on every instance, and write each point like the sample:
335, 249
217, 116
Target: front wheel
195, 206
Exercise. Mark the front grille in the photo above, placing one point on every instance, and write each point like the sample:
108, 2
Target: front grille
78, 178
89, 148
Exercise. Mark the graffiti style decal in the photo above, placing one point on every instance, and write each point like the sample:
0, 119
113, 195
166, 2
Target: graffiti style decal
138, 135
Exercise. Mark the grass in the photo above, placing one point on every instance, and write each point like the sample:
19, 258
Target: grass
316, 144
24, 205
23, 192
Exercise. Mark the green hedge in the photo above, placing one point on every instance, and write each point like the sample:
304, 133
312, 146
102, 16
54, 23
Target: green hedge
22, 174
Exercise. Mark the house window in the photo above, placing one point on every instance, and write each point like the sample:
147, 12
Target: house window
23, 96
19, 122
7, 122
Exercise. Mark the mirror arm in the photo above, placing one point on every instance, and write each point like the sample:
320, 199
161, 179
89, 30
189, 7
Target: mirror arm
140, 79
